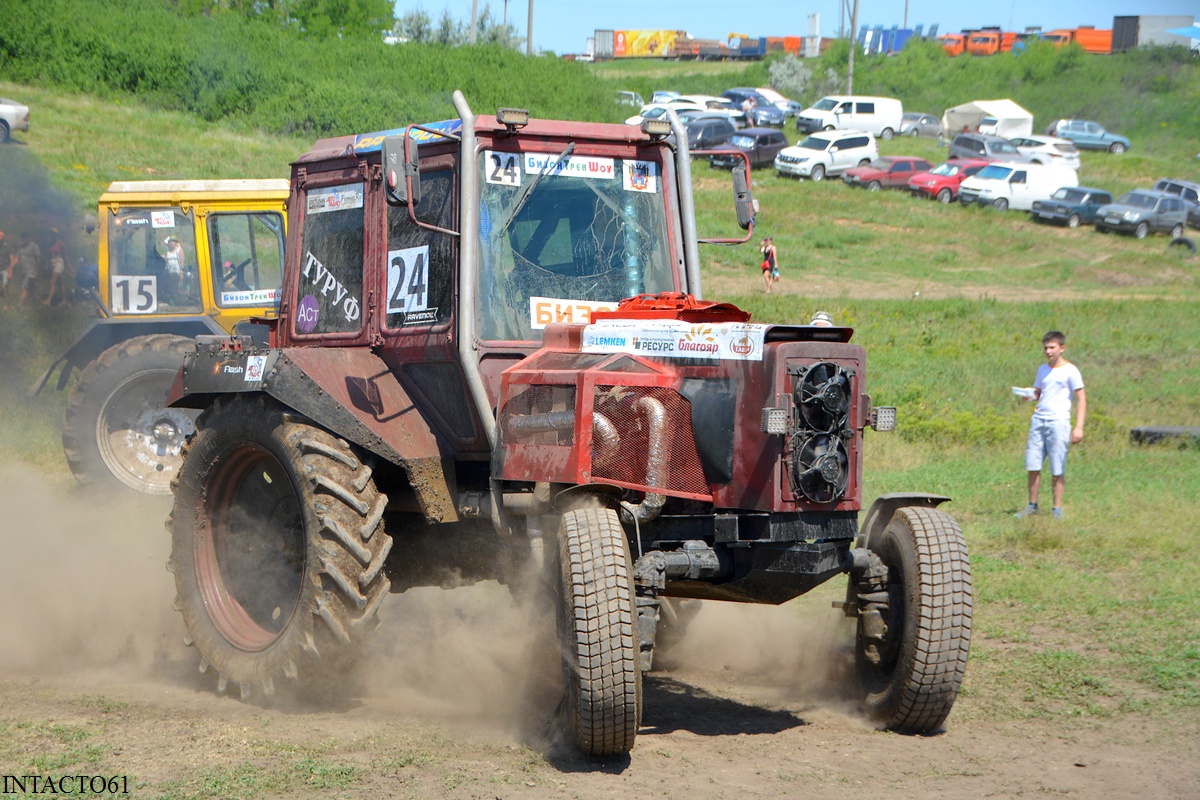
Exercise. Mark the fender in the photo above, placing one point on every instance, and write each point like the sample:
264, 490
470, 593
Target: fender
350, 391
104, 333
885, 506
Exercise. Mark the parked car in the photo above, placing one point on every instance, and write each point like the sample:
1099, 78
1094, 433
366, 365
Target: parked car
914, 123
982, 145
768, 115
827, 153
1088, 135
630, 99
1141, 212
790, 107
1047, 150
659, 110
1189, 191
760, 145
941, 183
1071, 206
878, 116
762, 111
13, 117
890, 172
1005, 185
708, 129
714, 103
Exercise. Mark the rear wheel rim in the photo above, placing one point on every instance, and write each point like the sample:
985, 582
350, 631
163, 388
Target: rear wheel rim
250, 558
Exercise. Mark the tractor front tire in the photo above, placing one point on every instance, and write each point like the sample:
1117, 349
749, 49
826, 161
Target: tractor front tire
911, 679
277, 548
597, 622
118, 433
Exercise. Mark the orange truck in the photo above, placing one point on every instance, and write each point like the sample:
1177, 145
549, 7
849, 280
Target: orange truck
1088, 37
955, 44
990, 41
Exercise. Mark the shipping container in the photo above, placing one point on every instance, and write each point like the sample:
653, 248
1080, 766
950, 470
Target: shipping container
1130, 33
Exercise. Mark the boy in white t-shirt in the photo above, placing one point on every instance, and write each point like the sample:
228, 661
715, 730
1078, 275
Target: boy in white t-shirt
1050, 432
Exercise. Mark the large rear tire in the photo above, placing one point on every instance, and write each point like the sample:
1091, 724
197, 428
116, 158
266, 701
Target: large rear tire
118, 433
598, 631
911, 685
277, 548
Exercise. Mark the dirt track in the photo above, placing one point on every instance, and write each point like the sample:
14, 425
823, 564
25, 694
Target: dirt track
94, 678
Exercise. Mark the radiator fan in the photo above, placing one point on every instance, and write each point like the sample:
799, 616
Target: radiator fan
821, 468
823, 397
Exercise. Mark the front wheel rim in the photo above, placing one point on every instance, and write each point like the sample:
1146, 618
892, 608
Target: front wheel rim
139, 439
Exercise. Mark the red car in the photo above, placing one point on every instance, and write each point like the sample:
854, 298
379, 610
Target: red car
941, 183
891, 172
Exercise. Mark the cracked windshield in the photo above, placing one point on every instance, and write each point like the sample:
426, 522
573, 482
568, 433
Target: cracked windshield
563, 235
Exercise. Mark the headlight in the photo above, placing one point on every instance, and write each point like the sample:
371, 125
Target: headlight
1132, 216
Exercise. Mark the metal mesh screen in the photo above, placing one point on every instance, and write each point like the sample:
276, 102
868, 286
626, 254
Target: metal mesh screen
619, 404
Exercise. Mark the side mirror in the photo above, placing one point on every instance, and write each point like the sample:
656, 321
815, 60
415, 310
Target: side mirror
743, 199
400, 169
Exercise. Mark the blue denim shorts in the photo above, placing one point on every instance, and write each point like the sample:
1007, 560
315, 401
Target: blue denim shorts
1048, 439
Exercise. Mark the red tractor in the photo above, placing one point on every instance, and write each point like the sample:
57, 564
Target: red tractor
490, 361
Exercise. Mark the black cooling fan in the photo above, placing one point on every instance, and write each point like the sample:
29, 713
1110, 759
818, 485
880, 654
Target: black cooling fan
823, 397
821, 468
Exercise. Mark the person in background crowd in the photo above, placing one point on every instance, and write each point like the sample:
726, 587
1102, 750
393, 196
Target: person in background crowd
7, 260
58, 266
29, 257
770, 264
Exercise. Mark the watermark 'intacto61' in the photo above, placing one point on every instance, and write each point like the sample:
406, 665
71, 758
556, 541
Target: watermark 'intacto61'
65, 784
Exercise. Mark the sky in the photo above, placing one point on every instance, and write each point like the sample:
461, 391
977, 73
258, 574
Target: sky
563, 26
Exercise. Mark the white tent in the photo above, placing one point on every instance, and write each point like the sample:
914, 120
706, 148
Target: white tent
1011, 119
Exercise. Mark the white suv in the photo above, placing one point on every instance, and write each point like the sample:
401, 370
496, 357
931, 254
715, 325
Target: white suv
827, 153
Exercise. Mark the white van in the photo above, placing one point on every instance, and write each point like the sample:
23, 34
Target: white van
880, 116
1005, 185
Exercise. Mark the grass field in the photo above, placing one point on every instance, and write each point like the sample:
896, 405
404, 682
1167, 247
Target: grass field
1081, 621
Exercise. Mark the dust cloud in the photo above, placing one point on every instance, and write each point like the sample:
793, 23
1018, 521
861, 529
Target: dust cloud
85, 593
83, 586
476, 656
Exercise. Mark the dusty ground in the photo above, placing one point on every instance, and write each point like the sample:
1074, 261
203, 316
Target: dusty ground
93, 658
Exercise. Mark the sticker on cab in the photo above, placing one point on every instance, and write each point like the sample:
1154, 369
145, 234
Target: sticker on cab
408, 280
639, 176
162, 219
571, 166
545, 310
502, 168
335, 198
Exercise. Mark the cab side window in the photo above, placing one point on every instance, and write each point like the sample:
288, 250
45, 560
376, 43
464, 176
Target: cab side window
329, 296
247, 258
420, 262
